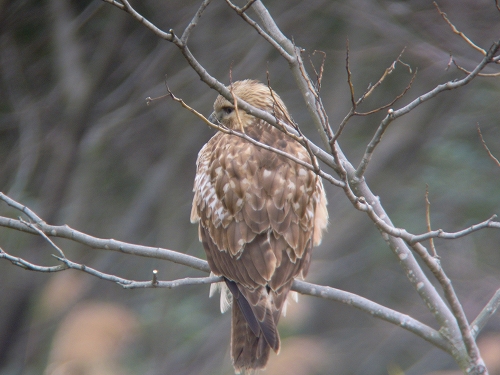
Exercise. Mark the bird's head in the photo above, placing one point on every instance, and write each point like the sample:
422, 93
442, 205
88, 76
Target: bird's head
254, 93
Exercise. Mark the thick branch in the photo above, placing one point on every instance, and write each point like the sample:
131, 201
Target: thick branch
374, 309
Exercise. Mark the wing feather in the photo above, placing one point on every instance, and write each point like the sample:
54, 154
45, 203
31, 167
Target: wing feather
259, 215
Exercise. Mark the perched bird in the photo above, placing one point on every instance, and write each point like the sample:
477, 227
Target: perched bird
259, 216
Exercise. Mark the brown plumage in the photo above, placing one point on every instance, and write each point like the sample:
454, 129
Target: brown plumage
259, 216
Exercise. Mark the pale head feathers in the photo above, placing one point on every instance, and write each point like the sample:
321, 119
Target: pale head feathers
254, 93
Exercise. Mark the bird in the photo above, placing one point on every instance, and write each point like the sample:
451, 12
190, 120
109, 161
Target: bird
259, 215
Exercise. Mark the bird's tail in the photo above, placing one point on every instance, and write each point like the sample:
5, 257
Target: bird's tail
248, 351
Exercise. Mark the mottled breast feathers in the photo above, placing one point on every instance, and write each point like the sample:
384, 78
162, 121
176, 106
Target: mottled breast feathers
259, 215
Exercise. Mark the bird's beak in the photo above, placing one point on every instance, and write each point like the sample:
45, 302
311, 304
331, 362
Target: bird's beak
213, 118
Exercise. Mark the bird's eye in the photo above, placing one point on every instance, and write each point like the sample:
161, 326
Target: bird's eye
228, 110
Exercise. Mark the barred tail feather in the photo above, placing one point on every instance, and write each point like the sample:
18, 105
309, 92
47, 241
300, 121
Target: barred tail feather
248, 351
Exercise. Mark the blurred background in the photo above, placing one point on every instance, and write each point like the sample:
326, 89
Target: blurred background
79, 146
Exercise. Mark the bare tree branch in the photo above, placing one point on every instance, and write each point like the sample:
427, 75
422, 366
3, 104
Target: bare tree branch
428, 220
488, 75
302, 287
486, 313
194, 22
260, 30
65, 231
489, 223
461, 34
392, 115
374, 309
492, 157
28, 265
125, 6
455, 335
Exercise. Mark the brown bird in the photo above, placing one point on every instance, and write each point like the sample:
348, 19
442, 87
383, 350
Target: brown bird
259, 216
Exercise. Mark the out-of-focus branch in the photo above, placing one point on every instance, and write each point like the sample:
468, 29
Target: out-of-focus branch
27, 111
75, 79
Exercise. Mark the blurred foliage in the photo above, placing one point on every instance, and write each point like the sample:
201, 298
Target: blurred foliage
79, 146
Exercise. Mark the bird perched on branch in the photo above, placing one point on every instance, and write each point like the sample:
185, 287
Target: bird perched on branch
260, 214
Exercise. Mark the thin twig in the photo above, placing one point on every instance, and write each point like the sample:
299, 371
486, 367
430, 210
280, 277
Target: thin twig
44, 236
319, 75
487, 75
355, 103
30, 266
387, 72
125, 6
349, 75
194, 22
235, 102
259, 29
428, 220
132, 284
407, 88
489, 223
486, 147
461, 34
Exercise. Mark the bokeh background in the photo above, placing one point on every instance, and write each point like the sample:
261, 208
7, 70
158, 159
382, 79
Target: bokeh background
79, 146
